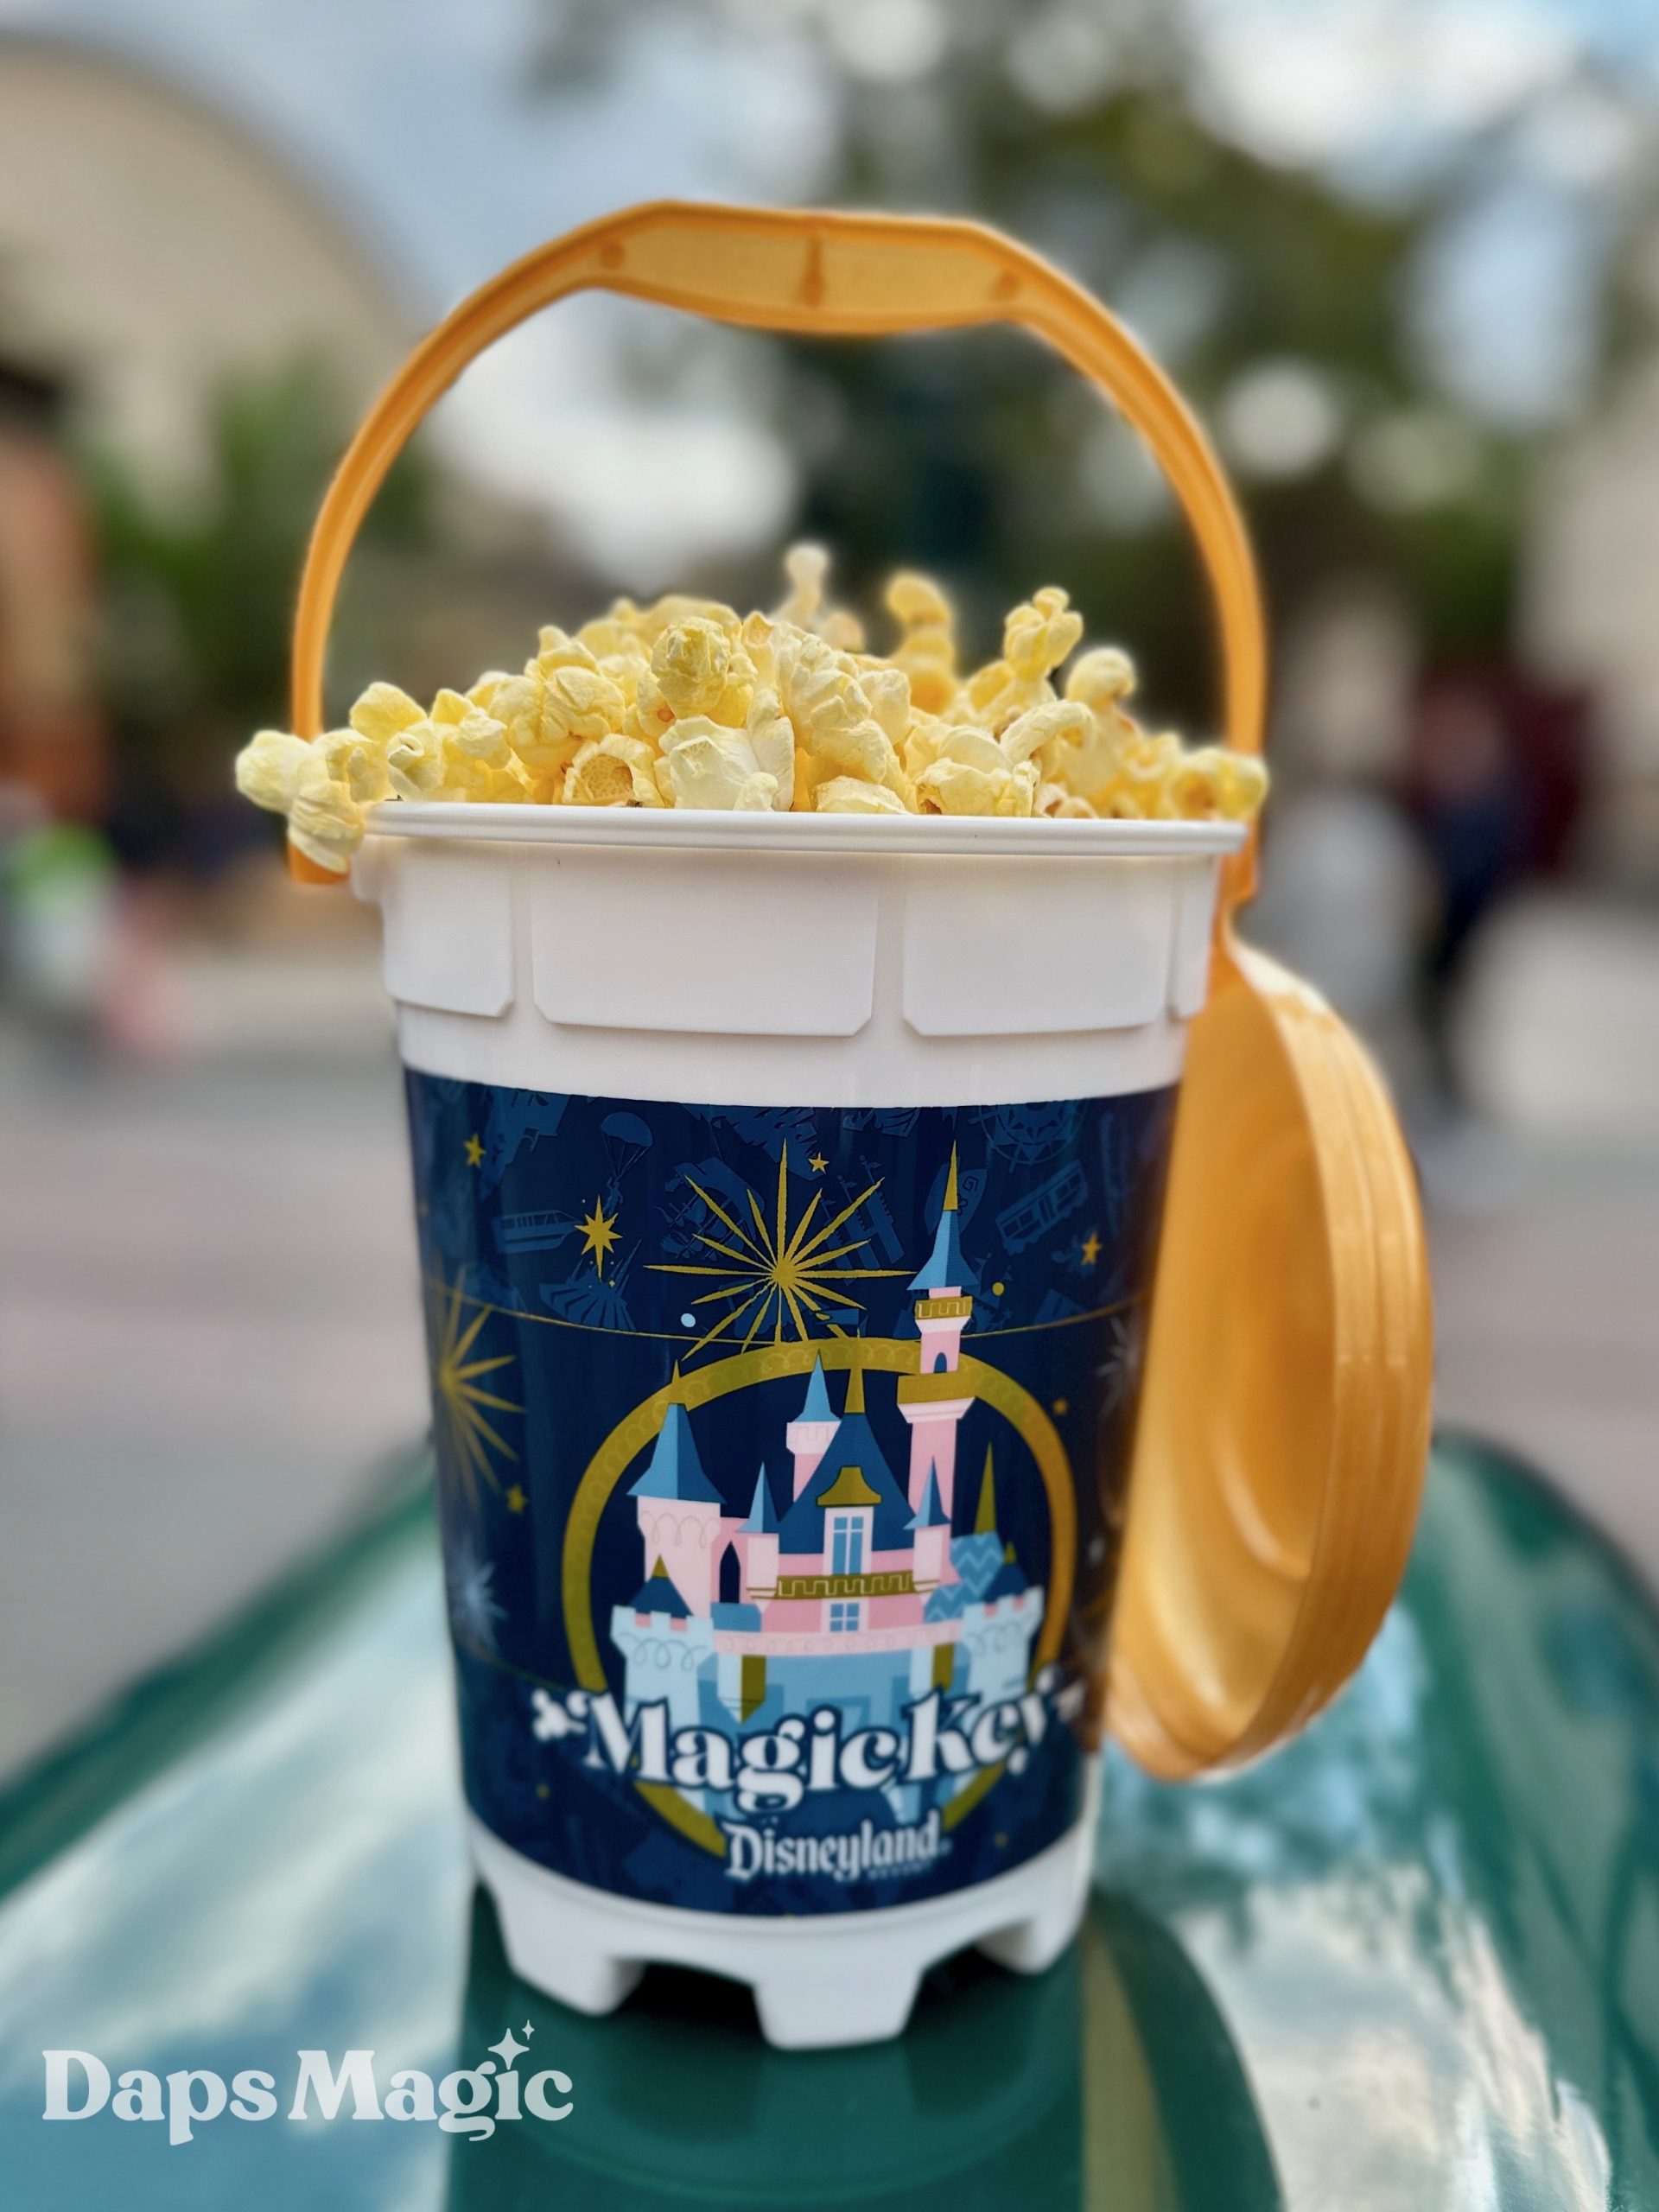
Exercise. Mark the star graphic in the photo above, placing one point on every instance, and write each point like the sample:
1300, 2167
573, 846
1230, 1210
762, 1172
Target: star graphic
474, 1150
515, 1499
598, 1235
509, 2048
529, 2032
1090, 1250
817, 1163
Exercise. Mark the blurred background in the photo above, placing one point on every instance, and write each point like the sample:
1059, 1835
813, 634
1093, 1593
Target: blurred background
1402, 254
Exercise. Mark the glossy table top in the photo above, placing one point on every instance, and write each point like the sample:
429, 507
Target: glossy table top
1411, 1962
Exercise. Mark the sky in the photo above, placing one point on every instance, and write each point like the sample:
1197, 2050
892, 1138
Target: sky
447, 161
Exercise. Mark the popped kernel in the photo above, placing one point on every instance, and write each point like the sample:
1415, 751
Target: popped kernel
287, 776
691, 661
383, 712
706, 765
559, 702
956, 786
268, 769
771, 738
684, 704
322, 821
852, 795
614, 772
807, 568
358, 763
926, 652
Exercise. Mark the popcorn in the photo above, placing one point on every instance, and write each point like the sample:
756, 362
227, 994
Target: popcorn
772, 740
955, 786
851, 795
926, 653
562, 699
322, 819
699, 670
807, 568
706, 765
1144, 768
614, 772
382, 713
358, 763
684, 704
1036, 638
268, 768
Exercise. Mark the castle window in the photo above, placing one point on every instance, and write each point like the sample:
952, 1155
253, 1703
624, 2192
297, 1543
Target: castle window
937, 1366
847, 1543
843, 1616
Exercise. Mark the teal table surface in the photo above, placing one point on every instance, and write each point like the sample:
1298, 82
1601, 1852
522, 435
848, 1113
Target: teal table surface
1412, 1961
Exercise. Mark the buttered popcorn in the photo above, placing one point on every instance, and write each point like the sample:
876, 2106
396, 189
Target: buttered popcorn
686, 703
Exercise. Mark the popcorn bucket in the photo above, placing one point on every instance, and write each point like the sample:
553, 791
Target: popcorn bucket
789, 1189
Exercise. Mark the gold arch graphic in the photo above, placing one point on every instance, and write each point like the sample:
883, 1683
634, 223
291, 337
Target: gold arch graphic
766, 1364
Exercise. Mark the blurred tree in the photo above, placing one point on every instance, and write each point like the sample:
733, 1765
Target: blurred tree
1281, 302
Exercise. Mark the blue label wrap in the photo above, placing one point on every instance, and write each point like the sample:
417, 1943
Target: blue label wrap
781, 1456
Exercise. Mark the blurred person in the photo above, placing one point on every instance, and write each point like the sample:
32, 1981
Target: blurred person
61, 898
1342, 903
1494, 786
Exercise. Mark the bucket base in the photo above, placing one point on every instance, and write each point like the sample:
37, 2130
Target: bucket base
834, 1977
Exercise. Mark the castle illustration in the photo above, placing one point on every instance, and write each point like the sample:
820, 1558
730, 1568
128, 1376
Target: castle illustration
855, 1590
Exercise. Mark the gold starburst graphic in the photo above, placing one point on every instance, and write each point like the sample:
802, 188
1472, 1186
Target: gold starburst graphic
459, 1397
771, 1277
598, 1235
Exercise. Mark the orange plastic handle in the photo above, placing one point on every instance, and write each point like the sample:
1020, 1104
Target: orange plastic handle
825, 274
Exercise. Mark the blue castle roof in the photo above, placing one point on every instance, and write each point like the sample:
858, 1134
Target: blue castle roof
930, 1514
656, 1594
675, 1470
944, 1268
853, 1445
816, 1406
1009, 1581
762, 1514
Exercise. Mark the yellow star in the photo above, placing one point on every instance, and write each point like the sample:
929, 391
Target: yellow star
1090, 1250
817, 1163
474, 1150
599, 1235
515, 1499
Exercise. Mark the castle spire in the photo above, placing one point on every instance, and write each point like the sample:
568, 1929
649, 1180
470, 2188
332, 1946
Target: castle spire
930, 1514
763, 1515
985, 1518
855, 1387
945, 1273
816, 1406
675, 1470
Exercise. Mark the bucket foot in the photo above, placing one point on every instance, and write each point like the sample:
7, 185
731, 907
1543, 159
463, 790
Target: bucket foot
539, 1949
799, 2012
1032, 1945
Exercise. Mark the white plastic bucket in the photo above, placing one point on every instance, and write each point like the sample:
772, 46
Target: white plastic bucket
780, 1567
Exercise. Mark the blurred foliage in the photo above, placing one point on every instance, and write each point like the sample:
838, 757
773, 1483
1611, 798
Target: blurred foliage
989, 462
200, 584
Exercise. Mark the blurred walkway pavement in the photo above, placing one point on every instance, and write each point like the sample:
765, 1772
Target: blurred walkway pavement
209, 1327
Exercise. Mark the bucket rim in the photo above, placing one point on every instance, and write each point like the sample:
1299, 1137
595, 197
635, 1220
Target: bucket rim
676, 828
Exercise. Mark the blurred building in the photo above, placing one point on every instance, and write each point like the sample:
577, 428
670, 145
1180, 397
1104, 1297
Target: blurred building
150, 249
